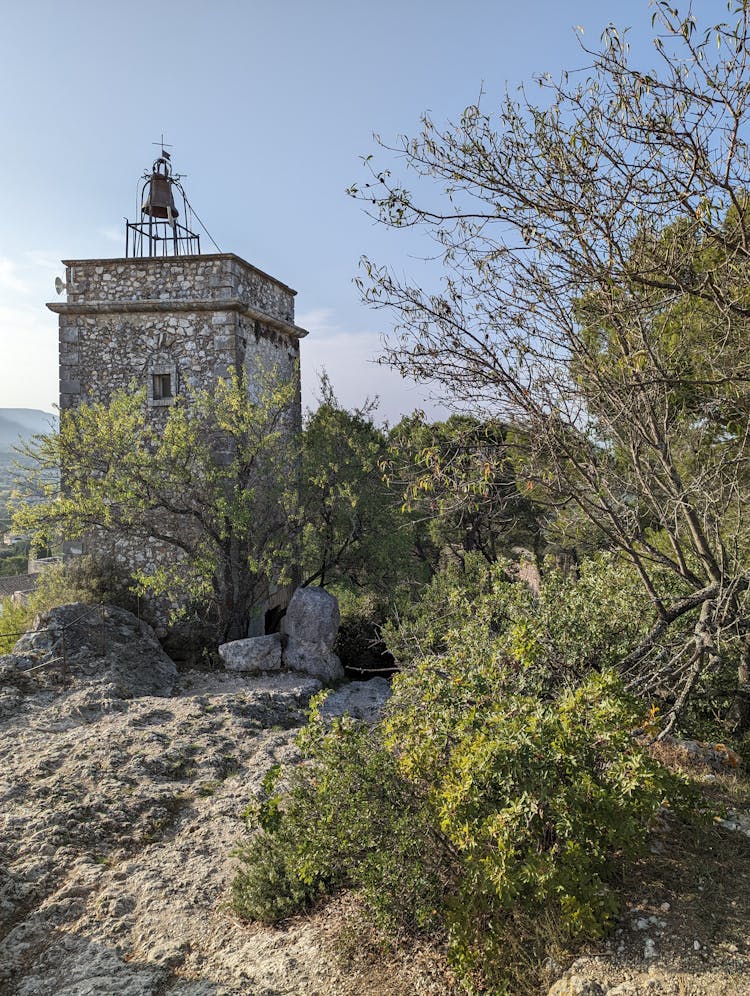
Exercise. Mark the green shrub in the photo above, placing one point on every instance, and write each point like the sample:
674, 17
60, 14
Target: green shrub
505, 790
80, 579
545, 799
576, 623
15, 619
345, 818
14, 564
90, 580
467, 593
477, 808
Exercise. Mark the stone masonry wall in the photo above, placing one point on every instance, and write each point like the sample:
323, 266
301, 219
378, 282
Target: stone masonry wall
201, 316
197, 318
178, 278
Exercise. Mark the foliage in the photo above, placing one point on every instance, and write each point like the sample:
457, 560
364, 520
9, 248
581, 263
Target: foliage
213, 484
477, 809
93, 581
359, 643
10, 564
345, 818
545, 798
14, 558
460, 473
15, 619
505, 790
592, 283
466, 593
353, 530
81, 579
577, 622
587, 620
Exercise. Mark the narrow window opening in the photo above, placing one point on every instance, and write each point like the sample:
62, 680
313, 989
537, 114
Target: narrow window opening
162, 386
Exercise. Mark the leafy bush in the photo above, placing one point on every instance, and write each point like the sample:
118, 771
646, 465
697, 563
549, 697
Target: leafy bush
346, 818
582, 622
13, 564
478, 809
360, 643
83, 579
467, 593
574, 624
544, 798
15, 618
80, 579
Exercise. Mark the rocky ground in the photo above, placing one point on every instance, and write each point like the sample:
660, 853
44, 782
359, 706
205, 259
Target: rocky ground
119, 813
122, 787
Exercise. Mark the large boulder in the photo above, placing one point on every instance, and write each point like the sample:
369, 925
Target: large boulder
312, 618
253, 655
309, 631
101, 643
310, 659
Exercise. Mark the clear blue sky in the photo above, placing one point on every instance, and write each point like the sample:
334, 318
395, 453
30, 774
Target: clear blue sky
268, 106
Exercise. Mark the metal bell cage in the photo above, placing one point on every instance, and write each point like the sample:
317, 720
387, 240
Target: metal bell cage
159, 233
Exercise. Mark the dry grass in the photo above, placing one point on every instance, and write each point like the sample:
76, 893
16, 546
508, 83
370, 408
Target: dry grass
373, 963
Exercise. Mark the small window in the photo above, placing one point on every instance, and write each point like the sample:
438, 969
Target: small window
162, 382
162, 386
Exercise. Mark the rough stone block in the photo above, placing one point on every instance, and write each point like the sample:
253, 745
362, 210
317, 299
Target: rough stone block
312, 618
253, 655
311, 659
359, 699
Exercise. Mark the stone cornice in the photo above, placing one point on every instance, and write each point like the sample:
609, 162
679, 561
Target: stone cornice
154, 305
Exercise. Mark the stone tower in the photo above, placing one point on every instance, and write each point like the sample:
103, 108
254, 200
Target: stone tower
166, 321
170, 320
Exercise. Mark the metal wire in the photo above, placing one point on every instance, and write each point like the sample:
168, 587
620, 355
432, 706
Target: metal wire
195, 215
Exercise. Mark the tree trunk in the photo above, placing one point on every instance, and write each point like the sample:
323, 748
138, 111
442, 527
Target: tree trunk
235, 594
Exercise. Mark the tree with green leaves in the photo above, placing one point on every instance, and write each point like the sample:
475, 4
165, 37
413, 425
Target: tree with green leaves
211, 490
460, 477
354, 532
595, 256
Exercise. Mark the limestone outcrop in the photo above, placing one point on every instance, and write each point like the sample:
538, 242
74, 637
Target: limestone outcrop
100, 642
122, 788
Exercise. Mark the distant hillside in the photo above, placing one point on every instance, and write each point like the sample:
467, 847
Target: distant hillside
22, 422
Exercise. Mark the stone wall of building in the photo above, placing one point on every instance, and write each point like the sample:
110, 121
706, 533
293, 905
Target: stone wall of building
194, 317
208, 278
188, 319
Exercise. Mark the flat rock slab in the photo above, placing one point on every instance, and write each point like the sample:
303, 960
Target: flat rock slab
360, 699
254, 655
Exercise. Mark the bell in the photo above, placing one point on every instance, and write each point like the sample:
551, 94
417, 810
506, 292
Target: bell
158, 201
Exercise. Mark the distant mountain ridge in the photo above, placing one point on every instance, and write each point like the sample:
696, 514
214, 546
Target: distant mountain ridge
21, 423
